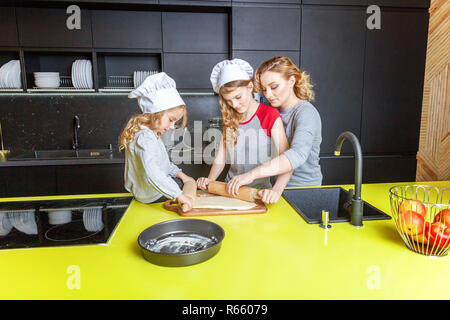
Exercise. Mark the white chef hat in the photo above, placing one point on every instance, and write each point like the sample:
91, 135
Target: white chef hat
230, 70
157, 93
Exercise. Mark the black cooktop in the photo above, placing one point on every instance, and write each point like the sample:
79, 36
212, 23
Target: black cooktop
50, 223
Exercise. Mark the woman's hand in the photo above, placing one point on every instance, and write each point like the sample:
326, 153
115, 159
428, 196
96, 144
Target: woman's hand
202, 183
185, 201
237, 181
269, 196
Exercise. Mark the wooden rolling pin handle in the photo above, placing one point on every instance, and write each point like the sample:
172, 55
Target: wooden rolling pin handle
244, 193
189, 190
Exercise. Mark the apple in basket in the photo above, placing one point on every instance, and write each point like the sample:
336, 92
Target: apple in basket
440, 235
425, 237
411, 223
444, 217
412, 205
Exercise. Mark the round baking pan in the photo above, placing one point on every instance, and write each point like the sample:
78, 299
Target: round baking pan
181, 242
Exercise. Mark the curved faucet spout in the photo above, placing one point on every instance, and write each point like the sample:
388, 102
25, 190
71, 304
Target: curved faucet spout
358, 158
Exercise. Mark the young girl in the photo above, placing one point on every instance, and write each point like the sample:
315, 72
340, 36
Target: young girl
290, 90
249, 129
148, 171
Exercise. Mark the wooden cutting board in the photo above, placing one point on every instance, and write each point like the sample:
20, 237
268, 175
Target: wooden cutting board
172, 205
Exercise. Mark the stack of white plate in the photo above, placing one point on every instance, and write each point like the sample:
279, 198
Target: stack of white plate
10, 75
23, 221
46, 79
5, 224
139, 77
59, 216
82, 74
92, 219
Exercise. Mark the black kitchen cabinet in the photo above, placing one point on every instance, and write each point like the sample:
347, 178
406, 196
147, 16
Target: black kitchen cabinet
126, 29
30, 181
376, 169
268, 1
393, 82
46, 27
333, 40
225, 3
3, 175
402, 3
88, 179
337, 2
195, 32
9, 35
192, 71
255, 58
258, 28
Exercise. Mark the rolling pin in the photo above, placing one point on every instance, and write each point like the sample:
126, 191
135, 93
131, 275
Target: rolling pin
189, 190
244, 193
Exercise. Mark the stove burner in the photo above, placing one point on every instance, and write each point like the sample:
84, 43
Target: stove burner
71, 231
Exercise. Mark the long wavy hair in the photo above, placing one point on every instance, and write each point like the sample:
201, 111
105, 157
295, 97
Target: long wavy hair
284, 66
149, 120
230, 117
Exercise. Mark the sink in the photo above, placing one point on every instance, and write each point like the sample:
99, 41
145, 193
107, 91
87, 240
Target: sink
64, 154
310, 202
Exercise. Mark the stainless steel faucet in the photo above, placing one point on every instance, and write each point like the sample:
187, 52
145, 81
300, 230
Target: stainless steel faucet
76, 126
355, 206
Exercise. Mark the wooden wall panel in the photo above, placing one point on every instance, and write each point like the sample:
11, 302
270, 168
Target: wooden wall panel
433, 158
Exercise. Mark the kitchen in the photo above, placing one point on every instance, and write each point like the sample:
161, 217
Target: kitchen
350, 66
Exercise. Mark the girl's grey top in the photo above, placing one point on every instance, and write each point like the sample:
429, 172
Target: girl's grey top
254, 145
304, 132
148, 169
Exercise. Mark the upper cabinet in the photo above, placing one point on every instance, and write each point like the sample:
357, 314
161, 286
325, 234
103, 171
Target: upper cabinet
337, 2
262, 28
402, 3
393, 82
196, 2
47, 27
195, 32
8, 22
333, 40
126, 29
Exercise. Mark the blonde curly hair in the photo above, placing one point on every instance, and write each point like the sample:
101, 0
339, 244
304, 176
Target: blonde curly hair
230, 117
285, 67
149, 120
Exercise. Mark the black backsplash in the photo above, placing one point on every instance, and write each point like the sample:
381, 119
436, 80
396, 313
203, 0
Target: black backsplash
45, 122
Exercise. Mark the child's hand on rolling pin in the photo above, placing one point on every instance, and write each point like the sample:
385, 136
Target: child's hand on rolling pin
185, 201
269, 196
202, 183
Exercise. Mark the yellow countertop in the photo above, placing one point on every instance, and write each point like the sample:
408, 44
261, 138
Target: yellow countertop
275, 255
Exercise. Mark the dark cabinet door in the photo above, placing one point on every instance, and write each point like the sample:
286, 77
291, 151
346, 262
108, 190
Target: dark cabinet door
126, 29
8, 25
30, 181
195, 32
46, 27
402, 3
337, 2
393, 82
191, 71
269, 1
256, 57
3, 175
258, 28
197, 2
90, 179
333, 54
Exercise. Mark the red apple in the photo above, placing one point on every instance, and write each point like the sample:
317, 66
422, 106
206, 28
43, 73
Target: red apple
440, 235
411, 223
412, 205
443, 216
425, 236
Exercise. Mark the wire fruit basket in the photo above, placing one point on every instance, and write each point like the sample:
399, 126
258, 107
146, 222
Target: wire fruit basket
422, 217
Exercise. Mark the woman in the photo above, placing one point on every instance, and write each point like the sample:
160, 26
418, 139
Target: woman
290, 90
249, 128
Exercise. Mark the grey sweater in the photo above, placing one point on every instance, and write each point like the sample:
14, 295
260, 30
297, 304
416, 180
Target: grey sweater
149, 172
304, 132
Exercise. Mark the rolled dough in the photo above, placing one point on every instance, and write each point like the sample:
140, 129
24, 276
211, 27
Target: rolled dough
220, 202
